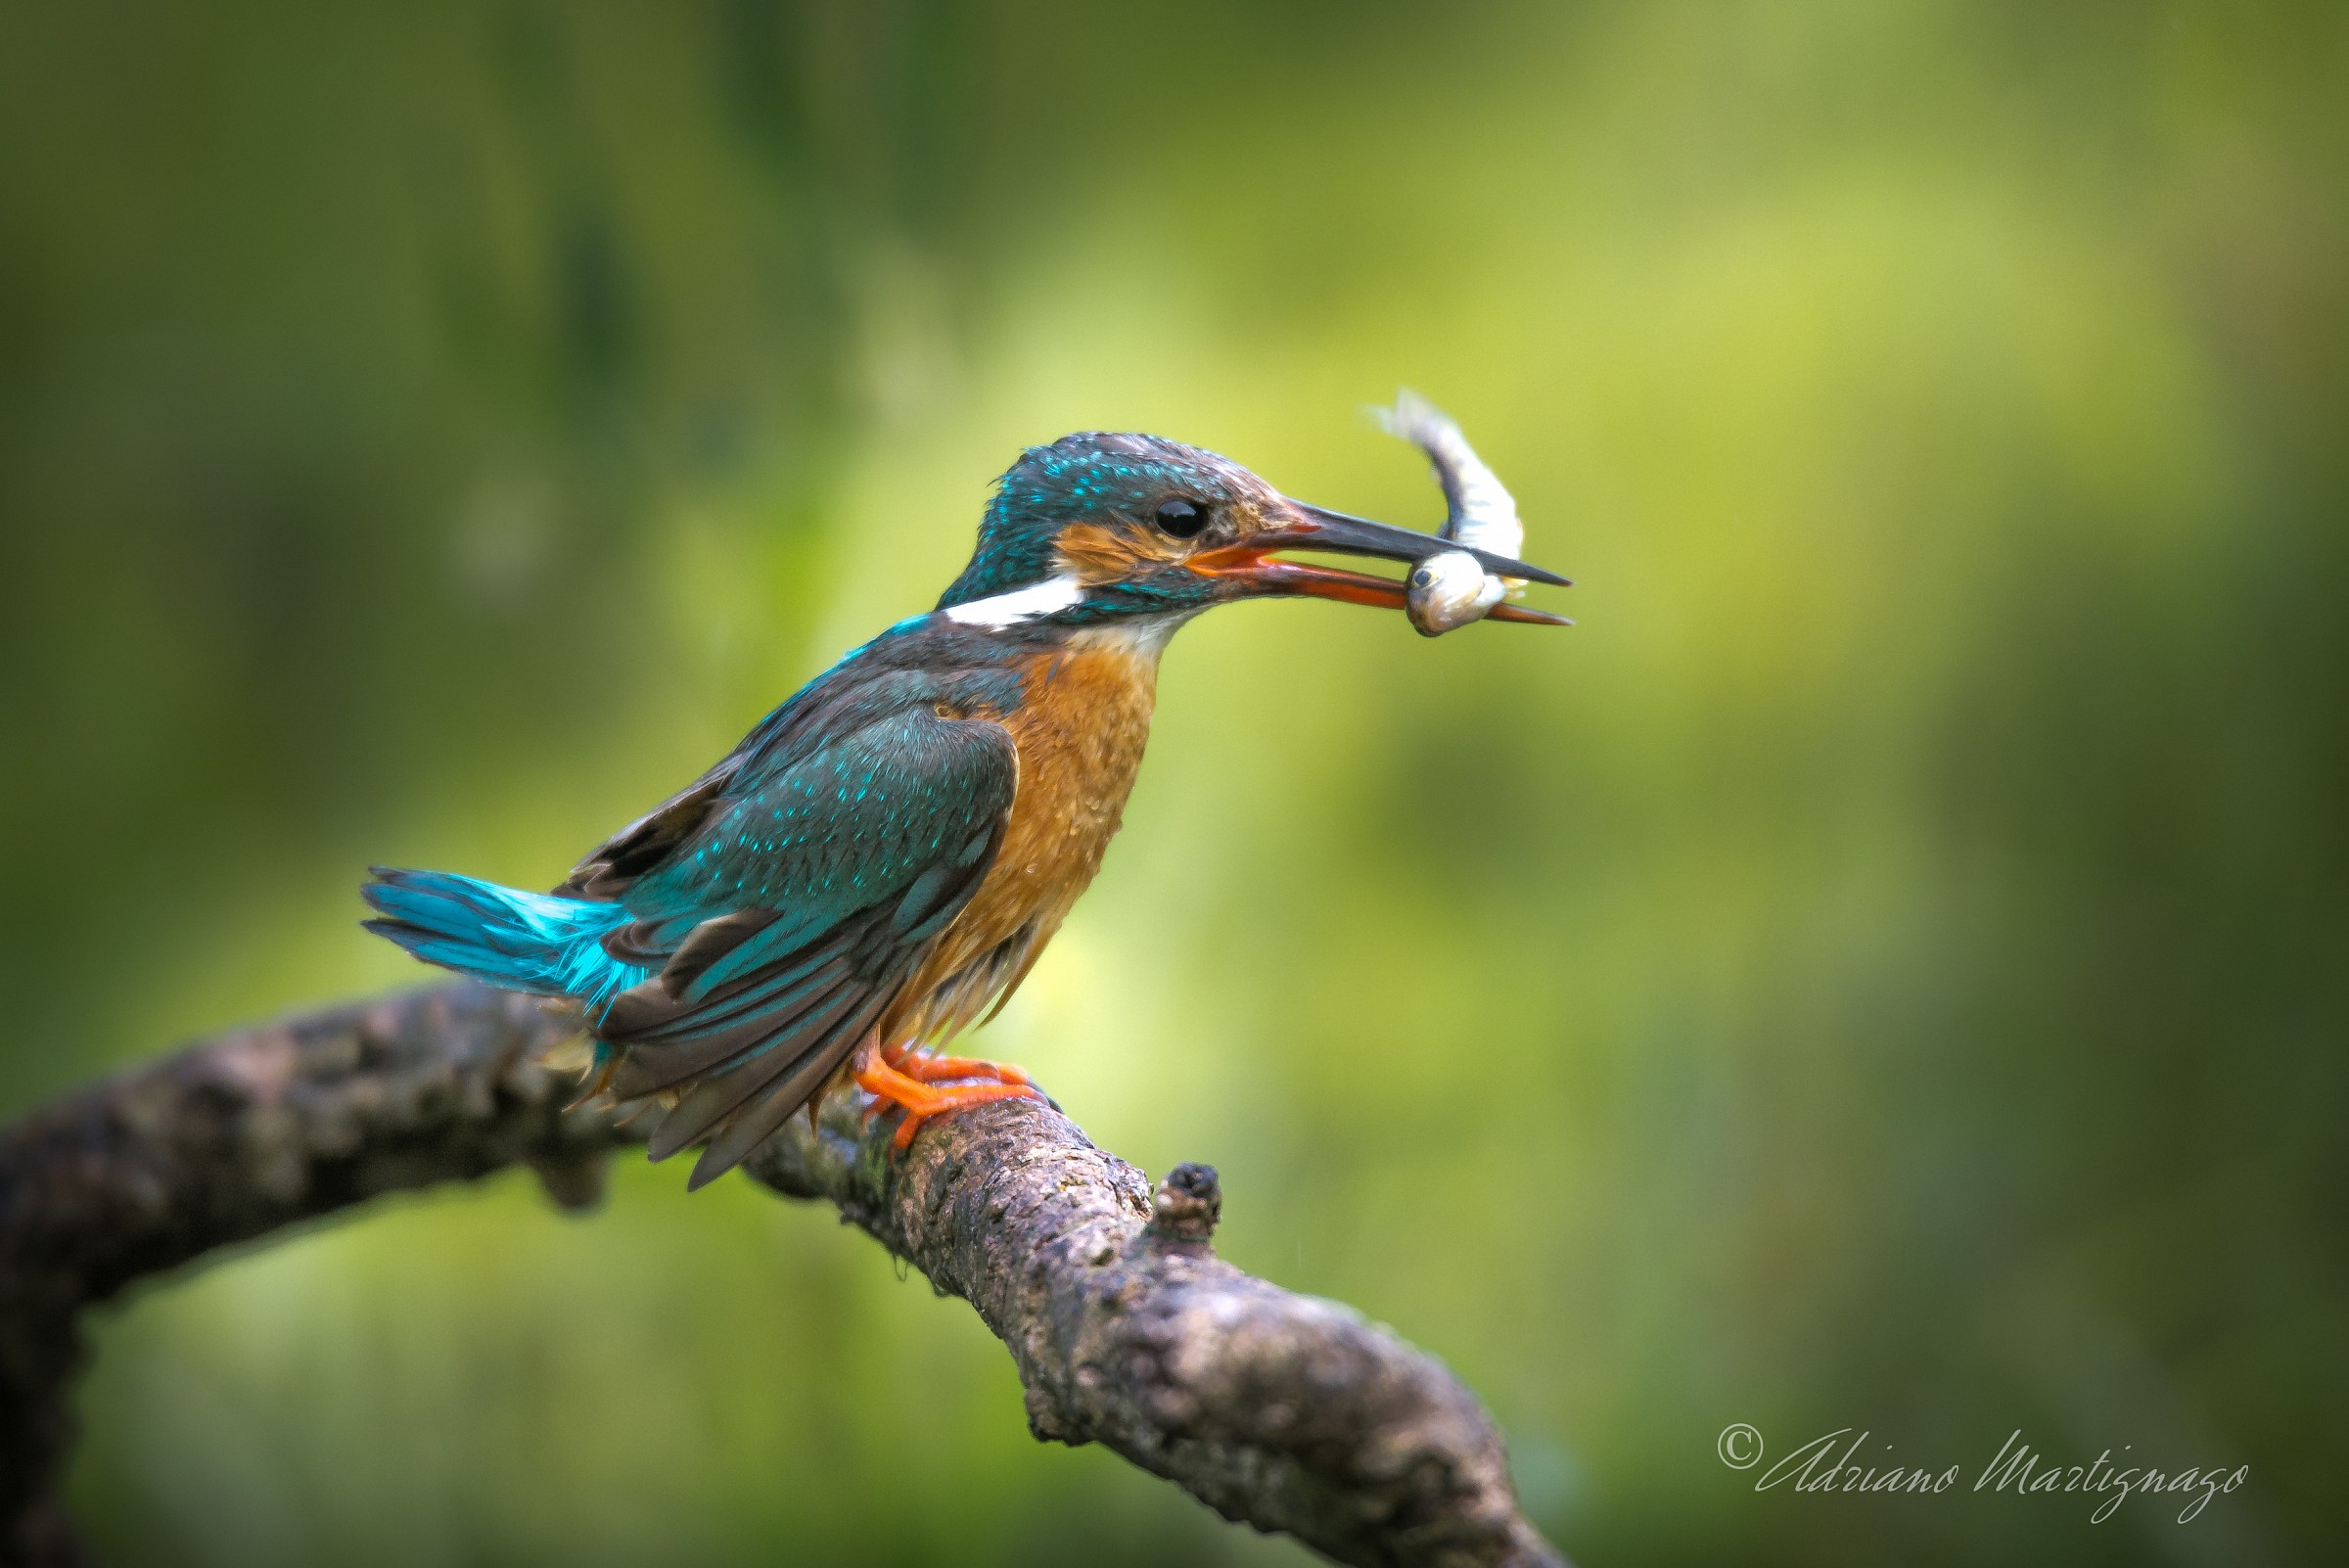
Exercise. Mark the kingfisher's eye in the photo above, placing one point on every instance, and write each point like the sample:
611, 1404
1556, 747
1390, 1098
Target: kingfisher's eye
1180, 518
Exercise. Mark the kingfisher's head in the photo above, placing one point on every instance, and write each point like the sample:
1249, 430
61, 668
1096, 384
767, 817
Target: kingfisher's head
1098, 528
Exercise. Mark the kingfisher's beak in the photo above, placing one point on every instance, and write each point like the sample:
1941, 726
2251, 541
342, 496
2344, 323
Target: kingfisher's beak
1314, 527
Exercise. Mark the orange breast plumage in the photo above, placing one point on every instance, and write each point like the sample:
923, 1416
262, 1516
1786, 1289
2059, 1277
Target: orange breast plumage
1079, 733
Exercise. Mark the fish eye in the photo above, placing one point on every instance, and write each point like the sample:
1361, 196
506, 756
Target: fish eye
1423, 576
1180, 518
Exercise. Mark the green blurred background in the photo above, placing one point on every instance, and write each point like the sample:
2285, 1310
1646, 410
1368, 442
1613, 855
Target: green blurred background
1884, 970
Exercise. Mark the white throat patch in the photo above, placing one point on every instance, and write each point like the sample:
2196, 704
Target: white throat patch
1138, 636
1024, 604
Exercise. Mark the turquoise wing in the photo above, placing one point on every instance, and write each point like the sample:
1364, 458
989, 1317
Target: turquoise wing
781, 912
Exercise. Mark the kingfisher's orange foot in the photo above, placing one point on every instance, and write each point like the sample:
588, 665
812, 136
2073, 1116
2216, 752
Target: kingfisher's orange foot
899, 1085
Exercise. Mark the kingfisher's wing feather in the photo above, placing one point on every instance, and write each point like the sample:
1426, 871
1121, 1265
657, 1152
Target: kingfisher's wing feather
786, 918
613, 866
715, 1097
767, 1107
848, 825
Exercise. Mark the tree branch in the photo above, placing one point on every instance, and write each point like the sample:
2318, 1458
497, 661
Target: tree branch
1289, 1412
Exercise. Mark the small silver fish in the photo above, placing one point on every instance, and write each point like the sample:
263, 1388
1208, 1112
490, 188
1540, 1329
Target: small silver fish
1448, 592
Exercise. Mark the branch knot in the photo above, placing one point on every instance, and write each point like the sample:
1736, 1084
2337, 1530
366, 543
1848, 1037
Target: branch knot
1187, 1205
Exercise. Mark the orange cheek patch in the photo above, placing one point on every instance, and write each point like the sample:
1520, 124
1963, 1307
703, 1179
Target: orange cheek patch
1097, 553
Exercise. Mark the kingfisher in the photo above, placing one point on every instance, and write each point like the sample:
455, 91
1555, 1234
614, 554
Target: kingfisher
885, 856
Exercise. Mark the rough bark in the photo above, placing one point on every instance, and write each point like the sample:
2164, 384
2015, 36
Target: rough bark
1287, 1411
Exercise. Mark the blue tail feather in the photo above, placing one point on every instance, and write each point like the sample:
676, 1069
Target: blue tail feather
529, 941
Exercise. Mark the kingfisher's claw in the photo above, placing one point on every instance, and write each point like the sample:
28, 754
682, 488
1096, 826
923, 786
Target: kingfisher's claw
929, 1068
